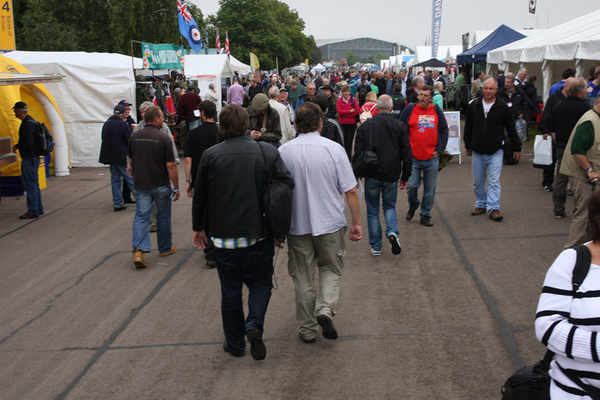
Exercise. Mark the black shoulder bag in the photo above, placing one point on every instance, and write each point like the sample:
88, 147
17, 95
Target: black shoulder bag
366, 163
276, 204
533, 382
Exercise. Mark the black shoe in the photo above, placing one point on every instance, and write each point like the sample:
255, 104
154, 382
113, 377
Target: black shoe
226, 348
117, 209
548, 188
410, 214
129, 200
326, 323
257, 346
426, 221
560, 216
28, 215
305, 340
393, 238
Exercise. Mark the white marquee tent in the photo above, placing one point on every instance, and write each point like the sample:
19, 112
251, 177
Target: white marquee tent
546, 54
94, 83
207, 69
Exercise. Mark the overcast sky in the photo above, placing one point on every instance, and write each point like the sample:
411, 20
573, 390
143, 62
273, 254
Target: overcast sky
409, 22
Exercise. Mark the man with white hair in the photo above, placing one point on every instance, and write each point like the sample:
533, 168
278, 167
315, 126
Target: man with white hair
521, 76
287, 133
412, 93
392, 146
212, 95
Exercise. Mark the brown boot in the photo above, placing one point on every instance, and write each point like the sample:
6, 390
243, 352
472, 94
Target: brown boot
138, 259
496, 216
168, 253
478, 211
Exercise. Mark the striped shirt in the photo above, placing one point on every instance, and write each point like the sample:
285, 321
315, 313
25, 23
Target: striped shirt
568, 325
322, 173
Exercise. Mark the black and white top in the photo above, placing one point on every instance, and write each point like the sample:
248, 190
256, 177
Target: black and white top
568, 324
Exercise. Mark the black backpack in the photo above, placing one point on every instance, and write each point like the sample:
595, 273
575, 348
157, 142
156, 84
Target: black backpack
44, 144
533, 382
399, 103
362, 93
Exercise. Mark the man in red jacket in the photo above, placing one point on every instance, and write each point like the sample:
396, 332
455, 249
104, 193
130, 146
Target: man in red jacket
187, 108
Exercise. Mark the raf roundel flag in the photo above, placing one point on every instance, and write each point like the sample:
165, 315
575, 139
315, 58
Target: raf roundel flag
188, 27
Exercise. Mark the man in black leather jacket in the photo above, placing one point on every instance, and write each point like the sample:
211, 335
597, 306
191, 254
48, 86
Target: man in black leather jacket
229, 184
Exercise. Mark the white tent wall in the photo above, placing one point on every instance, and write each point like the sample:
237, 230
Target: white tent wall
207, 69
94, 83
573, 44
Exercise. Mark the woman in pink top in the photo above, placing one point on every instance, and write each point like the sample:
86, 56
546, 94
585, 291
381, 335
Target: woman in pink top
369, 109
347, 108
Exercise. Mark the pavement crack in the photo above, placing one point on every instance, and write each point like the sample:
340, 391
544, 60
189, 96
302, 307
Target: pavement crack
56, 297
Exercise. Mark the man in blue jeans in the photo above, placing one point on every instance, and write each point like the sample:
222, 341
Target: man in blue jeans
153, 165
30, 161
428, 135
113, 151
488, 117
229, 185
389, 139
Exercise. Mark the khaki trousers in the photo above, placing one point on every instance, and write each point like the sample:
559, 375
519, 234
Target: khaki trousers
582, 192
307, 253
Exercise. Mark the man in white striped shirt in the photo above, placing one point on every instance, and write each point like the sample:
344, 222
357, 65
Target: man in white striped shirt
322, 173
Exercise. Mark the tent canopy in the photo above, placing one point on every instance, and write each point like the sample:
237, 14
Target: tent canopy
500, 37
239, 67
576, 39
207, 69
318, 68
433, 63
94, 83
573, 44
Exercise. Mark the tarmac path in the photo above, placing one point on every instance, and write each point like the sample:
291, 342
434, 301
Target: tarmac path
451, 317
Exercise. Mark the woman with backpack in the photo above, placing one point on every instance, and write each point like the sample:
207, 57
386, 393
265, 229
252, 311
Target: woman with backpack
347, 108
369, 109
568, 318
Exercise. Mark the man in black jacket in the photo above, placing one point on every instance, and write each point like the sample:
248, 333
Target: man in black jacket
544, 128
487, 118
30, 161
229, 184
388, 137
115, 136
563, 118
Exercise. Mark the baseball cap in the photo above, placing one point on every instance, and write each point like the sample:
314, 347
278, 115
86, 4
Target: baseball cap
20, 105
119, 109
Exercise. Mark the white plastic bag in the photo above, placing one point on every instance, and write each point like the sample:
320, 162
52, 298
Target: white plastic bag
521, 129
542, 150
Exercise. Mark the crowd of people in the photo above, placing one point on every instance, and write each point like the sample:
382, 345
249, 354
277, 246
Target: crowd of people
305, 132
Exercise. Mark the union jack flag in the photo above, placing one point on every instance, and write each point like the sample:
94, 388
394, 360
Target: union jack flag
226, 42
183, 11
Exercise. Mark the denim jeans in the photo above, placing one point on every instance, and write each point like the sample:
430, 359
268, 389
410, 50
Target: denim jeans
374, 188
143, 205
252, 266
30, 178
490, 198
118, 172
430, 172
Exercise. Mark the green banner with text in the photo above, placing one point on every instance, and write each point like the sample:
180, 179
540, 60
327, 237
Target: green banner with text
162, 56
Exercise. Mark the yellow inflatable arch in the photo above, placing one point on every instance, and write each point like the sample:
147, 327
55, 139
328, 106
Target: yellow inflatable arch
42, 108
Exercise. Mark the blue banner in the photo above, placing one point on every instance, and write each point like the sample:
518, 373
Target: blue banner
188, 27
436, 27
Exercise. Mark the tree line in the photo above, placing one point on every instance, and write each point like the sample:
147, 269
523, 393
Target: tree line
267, 28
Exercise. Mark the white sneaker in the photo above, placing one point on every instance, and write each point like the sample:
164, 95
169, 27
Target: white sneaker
375, 252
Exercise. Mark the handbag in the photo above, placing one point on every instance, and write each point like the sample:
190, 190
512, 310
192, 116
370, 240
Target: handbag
533, 382
276, 204
366, 163
542, 152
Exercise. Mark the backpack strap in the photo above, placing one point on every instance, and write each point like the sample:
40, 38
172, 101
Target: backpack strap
582, 265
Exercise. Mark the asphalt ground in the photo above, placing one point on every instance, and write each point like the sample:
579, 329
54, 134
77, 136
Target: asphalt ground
451, 317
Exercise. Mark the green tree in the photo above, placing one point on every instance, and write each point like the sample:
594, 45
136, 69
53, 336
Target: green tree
268, 28
316, 56
351, 58
97, 25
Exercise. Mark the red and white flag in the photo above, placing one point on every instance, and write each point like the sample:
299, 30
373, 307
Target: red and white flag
218, 43
226, 42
